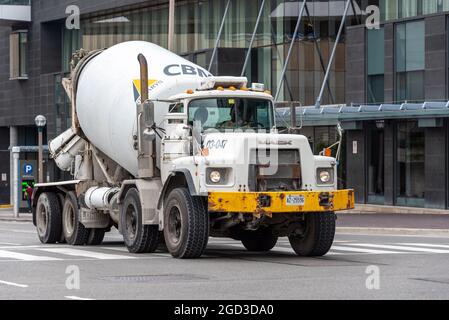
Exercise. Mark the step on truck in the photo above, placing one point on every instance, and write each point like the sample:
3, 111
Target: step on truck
162, 150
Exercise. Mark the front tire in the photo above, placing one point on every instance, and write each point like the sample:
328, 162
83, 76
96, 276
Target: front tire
186, 224
74, 231
259, 241
318, 237
48, 218
138, 238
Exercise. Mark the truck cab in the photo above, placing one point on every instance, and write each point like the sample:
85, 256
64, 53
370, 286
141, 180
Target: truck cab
221, 143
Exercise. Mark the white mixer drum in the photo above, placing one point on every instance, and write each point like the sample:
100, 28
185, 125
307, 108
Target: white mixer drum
109, 87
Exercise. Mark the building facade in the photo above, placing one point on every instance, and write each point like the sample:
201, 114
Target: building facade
405, 60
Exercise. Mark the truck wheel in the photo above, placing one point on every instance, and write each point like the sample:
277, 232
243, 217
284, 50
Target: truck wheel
48, 218
186, 224
260, 240
74, 231
61, 199
318, 236
138, 238
96, 237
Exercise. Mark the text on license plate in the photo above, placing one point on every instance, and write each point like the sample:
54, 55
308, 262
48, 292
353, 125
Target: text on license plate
295, 200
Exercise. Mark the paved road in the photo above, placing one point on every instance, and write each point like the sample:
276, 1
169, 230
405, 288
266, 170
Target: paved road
410, 267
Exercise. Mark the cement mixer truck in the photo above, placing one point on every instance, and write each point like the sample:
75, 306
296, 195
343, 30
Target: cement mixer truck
160, 148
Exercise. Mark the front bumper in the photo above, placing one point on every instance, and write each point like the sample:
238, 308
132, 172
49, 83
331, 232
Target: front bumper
276, 202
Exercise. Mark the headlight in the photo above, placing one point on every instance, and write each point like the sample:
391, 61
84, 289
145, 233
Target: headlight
215, 176
325, 176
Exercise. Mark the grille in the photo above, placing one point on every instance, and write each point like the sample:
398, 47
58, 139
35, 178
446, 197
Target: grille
274, 170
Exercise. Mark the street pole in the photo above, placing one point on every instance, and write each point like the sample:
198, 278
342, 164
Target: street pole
171, 25
40, 122
41, 155
16, 203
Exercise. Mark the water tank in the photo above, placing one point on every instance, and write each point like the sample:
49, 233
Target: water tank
109, 88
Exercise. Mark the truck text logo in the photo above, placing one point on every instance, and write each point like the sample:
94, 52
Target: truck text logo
179, 69
216, 144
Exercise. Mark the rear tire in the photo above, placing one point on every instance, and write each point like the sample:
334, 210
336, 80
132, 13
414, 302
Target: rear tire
96, 237
318, 236
186, 224
74, 231
138, 238
48, 218
259, 241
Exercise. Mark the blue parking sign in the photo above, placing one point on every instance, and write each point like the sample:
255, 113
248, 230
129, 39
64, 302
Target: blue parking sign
28, 169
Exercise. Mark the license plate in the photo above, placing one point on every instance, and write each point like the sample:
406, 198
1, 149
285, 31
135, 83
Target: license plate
296, 200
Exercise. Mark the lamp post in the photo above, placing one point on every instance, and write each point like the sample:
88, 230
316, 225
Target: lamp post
40, 122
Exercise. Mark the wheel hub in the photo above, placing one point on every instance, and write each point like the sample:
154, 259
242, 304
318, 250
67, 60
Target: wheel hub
131, 222
41, 218
174, 224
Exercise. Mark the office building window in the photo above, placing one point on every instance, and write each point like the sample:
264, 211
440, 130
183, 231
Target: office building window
398, 9
18, 41
375, 139
410, 61
410, 172
376, 59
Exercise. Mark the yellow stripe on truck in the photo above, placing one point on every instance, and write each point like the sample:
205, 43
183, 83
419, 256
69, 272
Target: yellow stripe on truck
276, 202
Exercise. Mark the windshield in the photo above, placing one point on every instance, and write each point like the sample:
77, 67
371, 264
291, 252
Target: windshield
232, 113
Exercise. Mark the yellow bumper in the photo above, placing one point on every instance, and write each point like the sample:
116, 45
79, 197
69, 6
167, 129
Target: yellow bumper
281, 202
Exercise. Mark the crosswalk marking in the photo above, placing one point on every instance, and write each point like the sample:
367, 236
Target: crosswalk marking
87, 254
118, 252
426, 245
404, 248
13, 284
77, 298
362, 250
24, 257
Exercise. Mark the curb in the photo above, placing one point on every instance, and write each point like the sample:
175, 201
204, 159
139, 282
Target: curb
368, 209
16, 219
394, 231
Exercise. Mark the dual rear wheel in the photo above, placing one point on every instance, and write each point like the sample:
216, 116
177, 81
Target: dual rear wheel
58, 220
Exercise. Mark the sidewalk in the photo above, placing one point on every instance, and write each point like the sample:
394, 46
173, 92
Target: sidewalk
7, 214
393, 210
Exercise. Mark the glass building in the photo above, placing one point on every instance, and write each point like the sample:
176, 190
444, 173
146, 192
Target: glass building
197, 26
389, 159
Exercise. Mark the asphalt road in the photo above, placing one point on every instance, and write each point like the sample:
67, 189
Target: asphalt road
409, 267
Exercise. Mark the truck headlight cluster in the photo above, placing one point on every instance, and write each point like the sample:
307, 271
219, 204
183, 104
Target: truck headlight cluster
215, 176
325, 176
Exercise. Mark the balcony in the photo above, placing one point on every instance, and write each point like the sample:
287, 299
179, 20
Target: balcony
14, 11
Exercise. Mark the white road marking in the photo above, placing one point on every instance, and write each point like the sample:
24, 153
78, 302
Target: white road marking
121, 249
10, 244
25, 257
362, 250
14, 284
85, 253
404, 248
77, 298
426, 245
